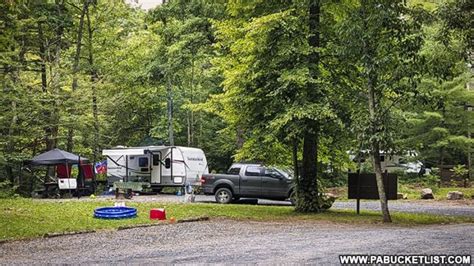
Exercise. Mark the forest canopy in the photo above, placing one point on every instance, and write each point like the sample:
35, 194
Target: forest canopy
267, 81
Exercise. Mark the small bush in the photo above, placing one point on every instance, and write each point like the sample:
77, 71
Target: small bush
7, 190
335, 179
432, 180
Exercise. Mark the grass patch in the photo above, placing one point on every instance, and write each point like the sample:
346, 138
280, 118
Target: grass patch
413, 191
27, 218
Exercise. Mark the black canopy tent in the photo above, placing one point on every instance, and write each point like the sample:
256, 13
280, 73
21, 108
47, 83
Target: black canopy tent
58, 157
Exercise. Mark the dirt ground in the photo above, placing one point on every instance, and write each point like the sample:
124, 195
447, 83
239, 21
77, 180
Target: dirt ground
228, 241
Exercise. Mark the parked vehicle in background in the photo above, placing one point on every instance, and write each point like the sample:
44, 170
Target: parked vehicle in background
249, 181
393, 162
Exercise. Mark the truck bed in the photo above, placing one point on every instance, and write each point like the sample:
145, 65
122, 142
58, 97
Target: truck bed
211, 179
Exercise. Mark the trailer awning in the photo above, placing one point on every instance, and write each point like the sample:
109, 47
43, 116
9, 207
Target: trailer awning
135, 150
118, 152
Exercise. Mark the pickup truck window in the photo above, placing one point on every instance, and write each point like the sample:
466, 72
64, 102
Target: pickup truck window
270, 172
234, 171
253, 171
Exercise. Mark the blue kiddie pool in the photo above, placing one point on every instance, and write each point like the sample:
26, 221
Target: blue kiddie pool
115, 212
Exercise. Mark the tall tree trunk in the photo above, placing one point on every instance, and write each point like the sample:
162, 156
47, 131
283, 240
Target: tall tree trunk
189, 112
188, 121
10, 147
375, 145
374, 119
443, 125
240, 138
55, 71
295, 158
192, 101
169, 91
75, 69
307, 185
373, 106
49, 142
93, 76
170, 112
14, 72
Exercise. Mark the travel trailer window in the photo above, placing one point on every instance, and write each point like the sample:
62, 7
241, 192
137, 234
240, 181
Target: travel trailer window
143, 162
156, 159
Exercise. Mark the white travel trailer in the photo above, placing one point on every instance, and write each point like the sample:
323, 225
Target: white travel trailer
393, 162
160, 166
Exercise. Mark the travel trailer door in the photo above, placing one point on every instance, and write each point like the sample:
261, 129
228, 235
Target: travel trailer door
156, 168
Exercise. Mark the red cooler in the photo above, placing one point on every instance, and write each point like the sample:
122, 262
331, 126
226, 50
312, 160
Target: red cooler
158, 214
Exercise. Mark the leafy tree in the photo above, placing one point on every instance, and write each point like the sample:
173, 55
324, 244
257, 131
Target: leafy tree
380, 41
277, 88
181, 65
434, 121
435, 130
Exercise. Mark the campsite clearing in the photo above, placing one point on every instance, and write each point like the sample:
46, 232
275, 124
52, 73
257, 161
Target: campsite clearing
27, 218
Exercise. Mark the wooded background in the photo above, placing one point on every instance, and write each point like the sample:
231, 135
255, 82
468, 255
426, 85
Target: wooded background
243, 80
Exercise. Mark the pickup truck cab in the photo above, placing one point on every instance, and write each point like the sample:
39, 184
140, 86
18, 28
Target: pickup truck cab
249, 181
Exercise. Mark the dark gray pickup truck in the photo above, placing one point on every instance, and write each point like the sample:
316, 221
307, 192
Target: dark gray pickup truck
249, 181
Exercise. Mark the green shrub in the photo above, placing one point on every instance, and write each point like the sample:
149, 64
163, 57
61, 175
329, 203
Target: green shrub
334, 179
7, 190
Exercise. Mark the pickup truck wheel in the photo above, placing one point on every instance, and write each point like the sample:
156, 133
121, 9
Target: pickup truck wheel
223, 195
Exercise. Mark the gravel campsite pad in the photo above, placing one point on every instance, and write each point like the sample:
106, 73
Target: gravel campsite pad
228, 241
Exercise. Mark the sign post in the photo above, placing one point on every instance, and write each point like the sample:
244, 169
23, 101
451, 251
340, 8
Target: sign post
364, 186
358, 192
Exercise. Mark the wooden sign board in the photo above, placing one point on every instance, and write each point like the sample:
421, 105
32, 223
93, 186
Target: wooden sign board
364, 186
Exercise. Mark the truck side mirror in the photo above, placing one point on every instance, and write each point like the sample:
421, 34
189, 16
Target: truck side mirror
277, 176
167, 163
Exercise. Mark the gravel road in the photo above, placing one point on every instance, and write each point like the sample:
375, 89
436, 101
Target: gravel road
432, 207
226, 241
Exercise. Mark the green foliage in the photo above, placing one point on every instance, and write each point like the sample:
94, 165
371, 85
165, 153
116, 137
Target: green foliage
438, 120
243, 78
461, 172
7, 190
381, 42
432, 180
